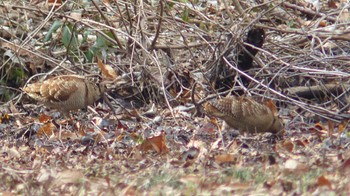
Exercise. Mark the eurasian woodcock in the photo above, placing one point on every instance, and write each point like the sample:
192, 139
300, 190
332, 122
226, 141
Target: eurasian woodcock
245, 114
65, 92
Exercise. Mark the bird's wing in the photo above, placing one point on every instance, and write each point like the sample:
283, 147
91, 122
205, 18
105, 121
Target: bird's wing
59, 89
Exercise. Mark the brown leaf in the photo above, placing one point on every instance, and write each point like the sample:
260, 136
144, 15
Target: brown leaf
157, 143
288, 145
107, 71
43, 118
55, 3
319, 126
322, 181
332, 4
322, 23
320, 130
46, 130
299, 142
4, 118
342, 126
225, 158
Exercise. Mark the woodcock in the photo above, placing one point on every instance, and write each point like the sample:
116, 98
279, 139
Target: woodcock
65, 92
245, 114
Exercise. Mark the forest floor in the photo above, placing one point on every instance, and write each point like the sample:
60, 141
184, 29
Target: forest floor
149, 138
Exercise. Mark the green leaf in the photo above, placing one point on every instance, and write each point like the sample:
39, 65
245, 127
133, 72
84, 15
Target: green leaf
53, 29
90, 55
69, 39
185, 15
100, 44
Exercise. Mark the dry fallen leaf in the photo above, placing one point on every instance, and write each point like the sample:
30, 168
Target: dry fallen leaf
301, 143
322, 181
107, 71
4, 118
332, 4
46, 130
342, 126
68, 176
225, 158
43, 118
157, 143
288, 145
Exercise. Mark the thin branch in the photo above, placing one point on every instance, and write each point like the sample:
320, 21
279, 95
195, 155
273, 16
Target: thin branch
159, 25
308, 11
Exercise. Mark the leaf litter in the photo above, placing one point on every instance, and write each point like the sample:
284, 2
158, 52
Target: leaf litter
154, 144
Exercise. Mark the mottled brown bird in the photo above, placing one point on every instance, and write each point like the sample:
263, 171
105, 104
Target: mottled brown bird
65, 92
245, 114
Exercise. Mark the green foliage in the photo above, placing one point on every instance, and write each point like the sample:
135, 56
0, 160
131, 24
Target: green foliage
260, 177
69, 39
100, 44
203, 26
56, 25
17, 75
11, 76
309, 178
190, 188
256, 10
347, 133
185, 15
291, 24
243, 175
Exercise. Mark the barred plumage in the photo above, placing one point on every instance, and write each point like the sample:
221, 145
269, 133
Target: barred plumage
65, 92
244, 114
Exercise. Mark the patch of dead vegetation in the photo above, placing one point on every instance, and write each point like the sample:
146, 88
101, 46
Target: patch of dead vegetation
152, 54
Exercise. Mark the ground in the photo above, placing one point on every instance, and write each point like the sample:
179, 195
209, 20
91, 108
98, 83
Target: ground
160, 61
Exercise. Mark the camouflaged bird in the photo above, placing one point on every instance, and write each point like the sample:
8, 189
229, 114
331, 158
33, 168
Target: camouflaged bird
65, 92
245, 114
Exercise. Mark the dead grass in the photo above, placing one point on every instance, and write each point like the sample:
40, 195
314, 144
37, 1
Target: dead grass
154, 145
